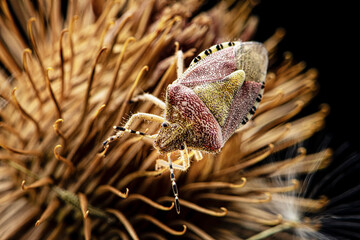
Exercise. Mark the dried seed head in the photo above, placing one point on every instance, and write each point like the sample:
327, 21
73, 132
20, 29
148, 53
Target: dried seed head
85, 182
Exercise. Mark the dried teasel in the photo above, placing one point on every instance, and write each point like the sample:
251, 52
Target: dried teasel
57, 182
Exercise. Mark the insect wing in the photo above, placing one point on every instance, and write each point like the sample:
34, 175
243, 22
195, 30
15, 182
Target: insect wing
242, 108
252, 57
212, 68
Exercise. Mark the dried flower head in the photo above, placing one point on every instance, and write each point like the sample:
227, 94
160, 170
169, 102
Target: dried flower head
69, 73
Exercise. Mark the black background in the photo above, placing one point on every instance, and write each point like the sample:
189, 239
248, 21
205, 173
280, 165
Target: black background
326, 36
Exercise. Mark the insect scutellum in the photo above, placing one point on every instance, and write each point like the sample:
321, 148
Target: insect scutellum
206, 104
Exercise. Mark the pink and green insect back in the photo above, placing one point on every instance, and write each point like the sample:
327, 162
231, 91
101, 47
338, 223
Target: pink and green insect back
207, 104
214, 97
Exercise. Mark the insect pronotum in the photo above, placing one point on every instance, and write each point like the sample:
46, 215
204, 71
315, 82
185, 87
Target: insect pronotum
207, 104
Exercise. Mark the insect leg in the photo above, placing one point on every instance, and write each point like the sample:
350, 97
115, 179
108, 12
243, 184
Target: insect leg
184, 159
150, 98
126, 128
198, 155
144, 116
163, 164
179, 63
173, 185
119, 132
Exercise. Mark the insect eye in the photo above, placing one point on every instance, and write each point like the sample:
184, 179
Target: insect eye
165, 124
182, 147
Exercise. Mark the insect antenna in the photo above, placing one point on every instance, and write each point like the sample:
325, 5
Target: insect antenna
118, 134
173, 186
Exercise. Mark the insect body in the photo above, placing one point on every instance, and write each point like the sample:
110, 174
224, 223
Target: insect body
215, 96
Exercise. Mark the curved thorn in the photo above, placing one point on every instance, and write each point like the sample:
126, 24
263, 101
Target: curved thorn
150, 202
72, 55
52, 95
26, 52
20, 151
195, 229
117, 32
23, 185
109, 188
125, 222
90, 82
83, 205
232, 198
131, 92
302, 154
161, 225
248, 161
33, 42
62, 159
177, 46
62, 64
199, 208
117, 68
103, 34
134, 175
59, 132
50, 209
25, 114
211, 185
204, 210
39, 183
325, 109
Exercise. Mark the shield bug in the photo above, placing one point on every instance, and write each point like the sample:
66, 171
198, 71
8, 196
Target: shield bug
207, 104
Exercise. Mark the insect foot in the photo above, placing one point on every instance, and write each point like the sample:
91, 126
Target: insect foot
207, 104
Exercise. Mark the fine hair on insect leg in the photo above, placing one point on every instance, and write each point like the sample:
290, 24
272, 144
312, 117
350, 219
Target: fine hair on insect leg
150, 98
